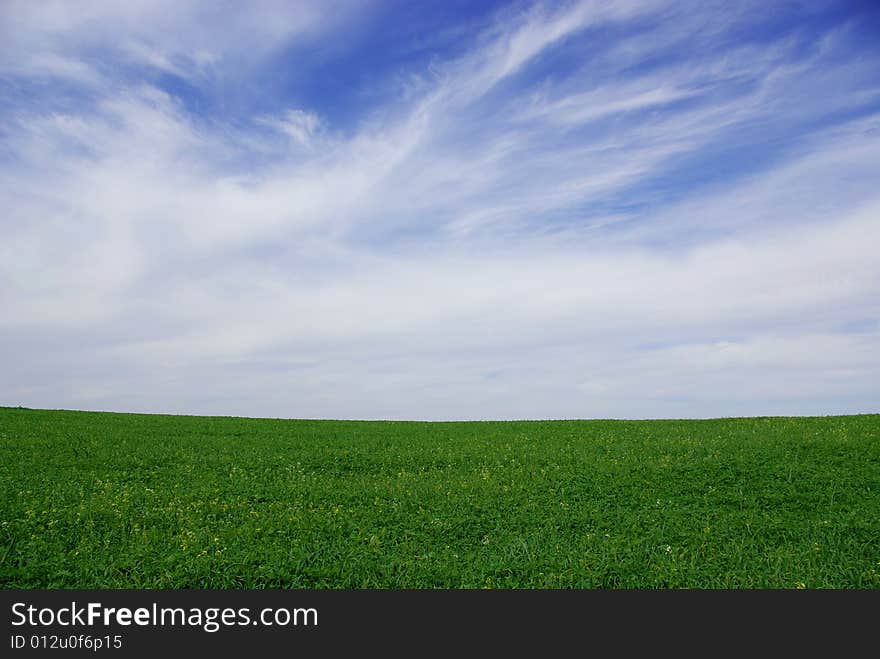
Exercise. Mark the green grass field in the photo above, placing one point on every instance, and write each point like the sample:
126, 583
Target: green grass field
98, 500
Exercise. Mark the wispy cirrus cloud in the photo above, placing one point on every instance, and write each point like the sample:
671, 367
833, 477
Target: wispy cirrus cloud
172, 37
590, 209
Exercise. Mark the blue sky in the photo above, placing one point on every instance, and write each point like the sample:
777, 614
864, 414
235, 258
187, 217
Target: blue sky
441, 210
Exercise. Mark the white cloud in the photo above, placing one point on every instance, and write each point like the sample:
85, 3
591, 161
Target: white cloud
183, 38
301, 126
463, 252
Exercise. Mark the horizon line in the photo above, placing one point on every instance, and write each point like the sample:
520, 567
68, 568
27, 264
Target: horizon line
519, 420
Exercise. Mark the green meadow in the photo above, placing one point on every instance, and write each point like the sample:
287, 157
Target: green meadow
101, 500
